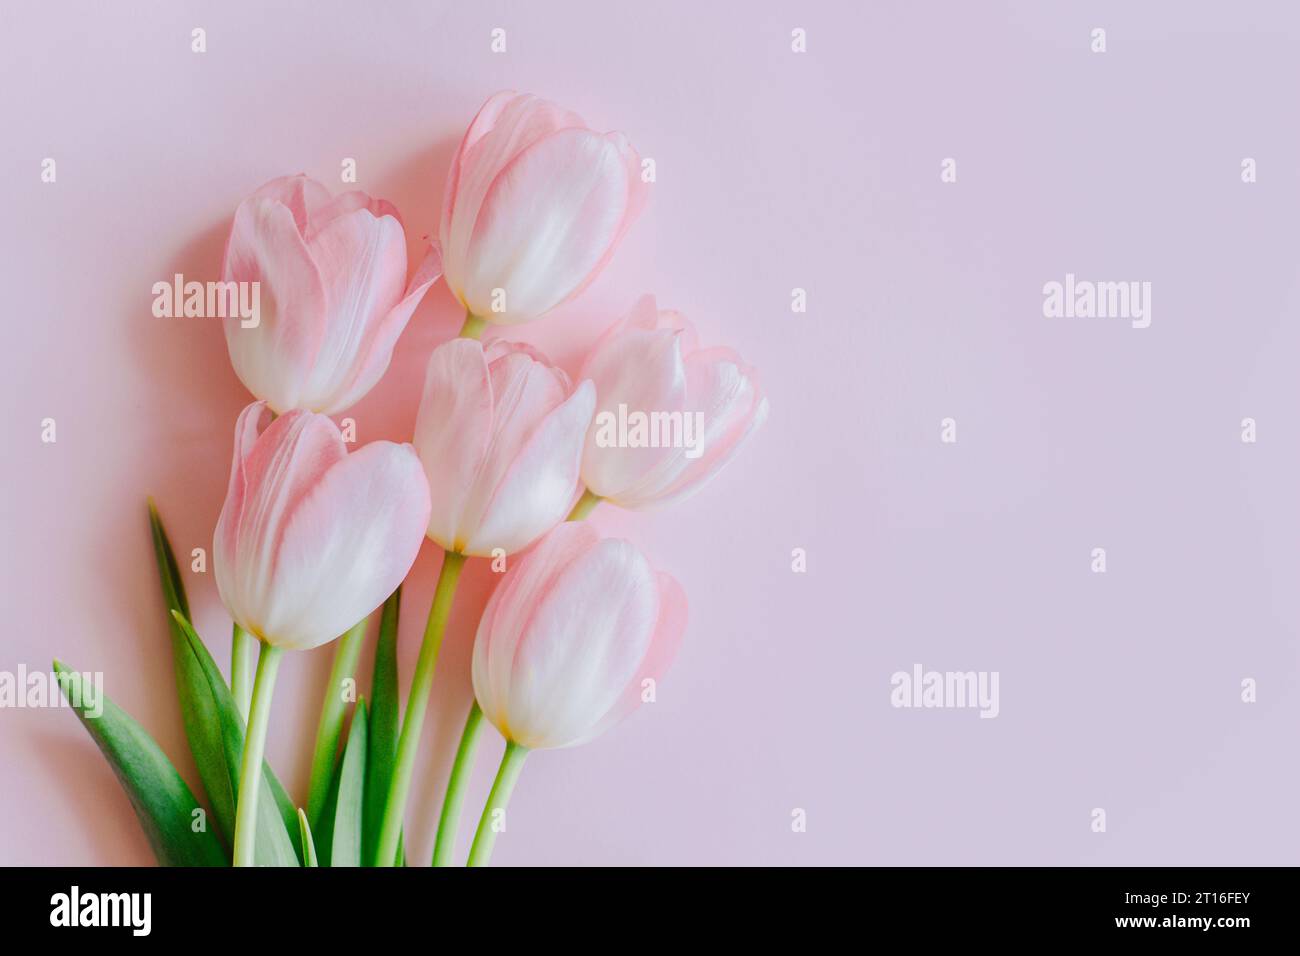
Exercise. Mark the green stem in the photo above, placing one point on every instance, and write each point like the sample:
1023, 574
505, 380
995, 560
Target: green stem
473, 327
585, 504
330, 726
242, 645
250, 770
449, 822
511, 763
408, 742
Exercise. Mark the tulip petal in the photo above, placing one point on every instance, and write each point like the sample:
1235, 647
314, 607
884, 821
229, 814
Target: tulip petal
540, 484
250, 424
377, 352
265, 247
482, 124
584, 644
508, 611
547, 222
507, 124
670, 628
347, 544
302, 194
643, 370
726, 392
344, 204
363, 262
644, 315
524, 390
638, 192
452, 430
286, 462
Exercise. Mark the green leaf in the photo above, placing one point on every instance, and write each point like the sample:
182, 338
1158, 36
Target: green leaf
275, 845
326, 825
172, 582
198, 708
308, 847
288, 812
381, 750
163, 802
345, 846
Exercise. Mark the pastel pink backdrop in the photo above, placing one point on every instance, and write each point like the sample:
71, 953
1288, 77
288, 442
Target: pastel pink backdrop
776, 170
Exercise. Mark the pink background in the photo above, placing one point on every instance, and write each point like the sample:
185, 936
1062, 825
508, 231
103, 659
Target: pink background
775, 170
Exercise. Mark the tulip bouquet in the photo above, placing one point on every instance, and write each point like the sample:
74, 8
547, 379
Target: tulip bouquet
508, 457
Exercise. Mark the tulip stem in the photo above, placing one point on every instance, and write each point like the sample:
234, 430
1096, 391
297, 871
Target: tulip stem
449, 822
584, 507
408, 742
473, 327
330, 727
250, 770
512, 761
242, 645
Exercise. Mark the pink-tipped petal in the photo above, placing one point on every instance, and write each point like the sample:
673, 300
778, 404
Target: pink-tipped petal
452, 431
509, 610
524, 391
252, 421
300, 193
481, 125
638, 193
363, 262
670, 628
545, 225
570, 635
727, 394
583, 644
539, 486
708, 402
329, 277
376, 354
346, 203
347, 545
274, 356
284, 460
642, 370
507, 125
311, 539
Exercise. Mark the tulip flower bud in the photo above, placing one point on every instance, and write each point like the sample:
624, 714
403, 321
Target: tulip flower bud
669, 414
311, 539
500, 435
534, 207
573, 637
333, 293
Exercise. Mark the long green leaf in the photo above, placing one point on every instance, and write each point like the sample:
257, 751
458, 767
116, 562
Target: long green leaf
308, 846
288, 812
381, 750
163, 802
275, 845
345, 845
172, 583
326, 826
198, 708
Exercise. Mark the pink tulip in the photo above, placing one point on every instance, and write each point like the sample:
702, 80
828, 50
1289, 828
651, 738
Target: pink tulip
333, 293
571, 635
311, 539
535, 205
500, 433
669, 414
